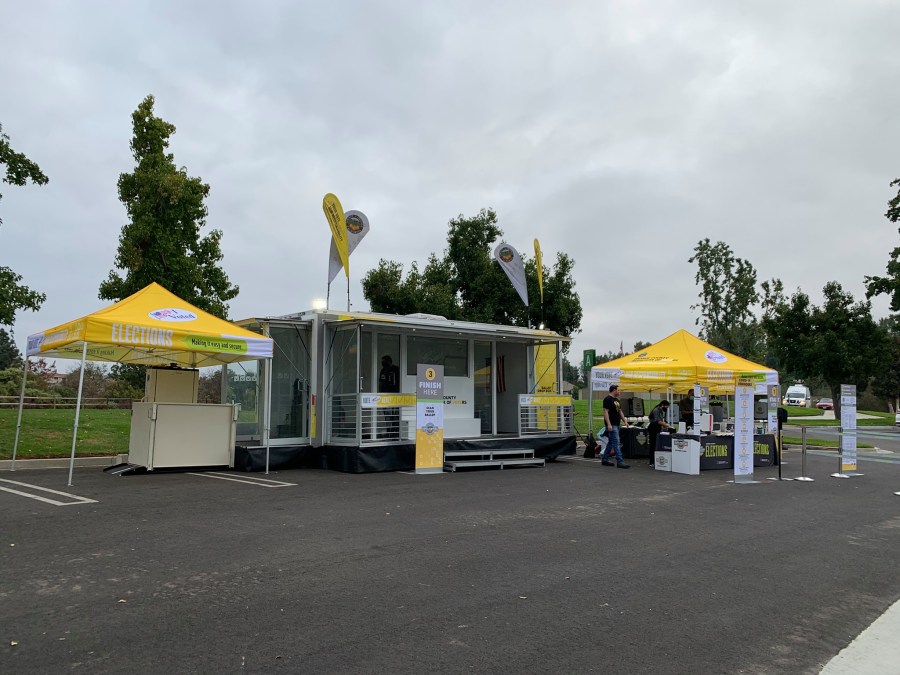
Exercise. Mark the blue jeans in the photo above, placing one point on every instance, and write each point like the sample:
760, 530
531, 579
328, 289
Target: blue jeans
613, 444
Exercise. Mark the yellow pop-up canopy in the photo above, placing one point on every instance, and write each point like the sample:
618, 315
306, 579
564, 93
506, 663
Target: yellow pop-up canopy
153, 327
678, 362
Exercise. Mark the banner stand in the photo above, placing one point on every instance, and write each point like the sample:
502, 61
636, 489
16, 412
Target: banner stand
780, 455
847, 453
743, 432
840, 473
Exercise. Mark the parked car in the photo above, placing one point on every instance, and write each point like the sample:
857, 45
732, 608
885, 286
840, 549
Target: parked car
825, 404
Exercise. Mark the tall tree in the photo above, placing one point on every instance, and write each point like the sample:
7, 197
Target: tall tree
727, 297
10, 356
838, 341
886, 383
166, 212
467, 284
13, 296
889, 284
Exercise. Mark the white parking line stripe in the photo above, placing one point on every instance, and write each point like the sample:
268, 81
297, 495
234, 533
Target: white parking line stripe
276, 483
78, 500
255, 481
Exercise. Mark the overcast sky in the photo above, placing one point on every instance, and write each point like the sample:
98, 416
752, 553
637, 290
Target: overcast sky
620, 133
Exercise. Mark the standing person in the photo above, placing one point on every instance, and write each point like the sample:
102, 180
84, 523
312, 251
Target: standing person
613, 418
389, 383
686, 410
657, 423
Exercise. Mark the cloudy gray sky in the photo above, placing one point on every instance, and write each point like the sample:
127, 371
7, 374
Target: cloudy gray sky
618, 132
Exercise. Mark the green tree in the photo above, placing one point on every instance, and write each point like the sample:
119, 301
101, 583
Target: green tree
10, 356
886, 384
467, 284
94, 384
166, 212
13, 296
838, 341
727, 297
890, 284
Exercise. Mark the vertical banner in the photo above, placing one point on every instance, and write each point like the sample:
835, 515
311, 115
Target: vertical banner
701, 406
429, 418
743, 433
511, 263
539, 264
848, 427
357, 228
774, 395
337, 221
545, 383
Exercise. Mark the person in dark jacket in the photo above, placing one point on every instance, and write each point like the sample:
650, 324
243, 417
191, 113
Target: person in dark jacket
658, 422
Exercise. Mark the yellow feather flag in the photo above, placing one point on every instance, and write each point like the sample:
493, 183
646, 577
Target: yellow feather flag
337, 221
539, 263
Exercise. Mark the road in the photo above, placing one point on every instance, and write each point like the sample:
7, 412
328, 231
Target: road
884, 438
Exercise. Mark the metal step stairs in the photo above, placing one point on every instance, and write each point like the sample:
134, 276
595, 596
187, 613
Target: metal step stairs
473, 459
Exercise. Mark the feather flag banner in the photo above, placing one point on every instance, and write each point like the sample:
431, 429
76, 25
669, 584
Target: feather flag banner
539, 263
511, 263
357, 228
337, 221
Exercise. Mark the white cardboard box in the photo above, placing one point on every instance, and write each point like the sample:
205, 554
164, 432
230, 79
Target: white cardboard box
662, 460
686, 456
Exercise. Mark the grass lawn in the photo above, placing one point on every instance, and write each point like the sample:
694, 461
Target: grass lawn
800, 411
818, 442
882, 419
48, 433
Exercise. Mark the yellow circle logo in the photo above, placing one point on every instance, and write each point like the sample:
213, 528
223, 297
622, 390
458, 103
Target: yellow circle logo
430, 374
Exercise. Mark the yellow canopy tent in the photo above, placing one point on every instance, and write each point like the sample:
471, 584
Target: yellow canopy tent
678, 362
153, 327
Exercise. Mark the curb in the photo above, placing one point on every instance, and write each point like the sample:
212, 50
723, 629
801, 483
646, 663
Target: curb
61, 462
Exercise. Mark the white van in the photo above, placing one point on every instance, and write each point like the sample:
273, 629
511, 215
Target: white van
798, 394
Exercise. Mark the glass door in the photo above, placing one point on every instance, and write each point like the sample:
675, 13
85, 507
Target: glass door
242, 386
342, 381
290, 414
484, 391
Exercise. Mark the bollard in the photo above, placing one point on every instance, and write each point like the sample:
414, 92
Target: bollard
803, 477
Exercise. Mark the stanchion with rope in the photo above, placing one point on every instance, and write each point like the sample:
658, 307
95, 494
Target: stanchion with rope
779, 446
803, 477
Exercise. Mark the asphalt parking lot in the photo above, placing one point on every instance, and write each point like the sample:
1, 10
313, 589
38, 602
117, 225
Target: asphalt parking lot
573, 568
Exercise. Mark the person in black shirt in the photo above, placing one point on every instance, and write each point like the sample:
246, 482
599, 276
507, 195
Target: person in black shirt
389, 377
613, 418
657, 423
389, 383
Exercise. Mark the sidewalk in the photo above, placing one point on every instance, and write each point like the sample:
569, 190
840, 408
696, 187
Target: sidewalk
61, 462
875, 650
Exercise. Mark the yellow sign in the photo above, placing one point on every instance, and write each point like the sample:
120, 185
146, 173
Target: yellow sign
550, 399
337, 221
387, 400
539, 263
429, 447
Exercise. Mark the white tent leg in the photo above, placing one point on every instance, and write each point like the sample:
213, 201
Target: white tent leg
267, 401
12, 466
77, 411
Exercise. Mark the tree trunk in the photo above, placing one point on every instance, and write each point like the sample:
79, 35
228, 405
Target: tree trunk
836, 399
